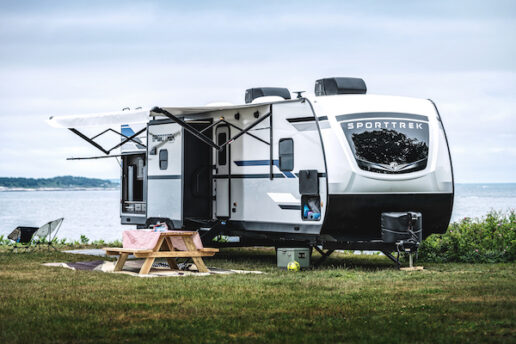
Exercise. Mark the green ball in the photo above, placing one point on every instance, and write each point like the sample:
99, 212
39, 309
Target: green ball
293, 266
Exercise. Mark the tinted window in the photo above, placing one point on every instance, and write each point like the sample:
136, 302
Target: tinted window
163, 159
286, 154
388, 142
222, 138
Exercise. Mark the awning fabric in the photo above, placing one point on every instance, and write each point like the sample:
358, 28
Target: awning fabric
194, 110
106, 119
109, 119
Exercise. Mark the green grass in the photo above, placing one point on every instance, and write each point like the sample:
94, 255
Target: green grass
350, 299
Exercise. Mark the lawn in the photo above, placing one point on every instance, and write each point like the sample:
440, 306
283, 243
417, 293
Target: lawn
352, 298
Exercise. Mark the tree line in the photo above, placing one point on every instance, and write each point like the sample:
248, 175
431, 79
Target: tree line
56, 182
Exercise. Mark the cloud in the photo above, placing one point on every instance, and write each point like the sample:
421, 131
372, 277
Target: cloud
80, 57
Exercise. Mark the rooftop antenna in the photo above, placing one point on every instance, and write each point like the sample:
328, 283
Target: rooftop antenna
299, 94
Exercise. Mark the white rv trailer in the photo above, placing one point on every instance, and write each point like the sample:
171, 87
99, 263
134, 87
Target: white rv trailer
325, 170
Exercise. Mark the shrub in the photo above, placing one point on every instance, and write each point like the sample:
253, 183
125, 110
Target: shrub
98, 242
84, 239
489, 239
116, 243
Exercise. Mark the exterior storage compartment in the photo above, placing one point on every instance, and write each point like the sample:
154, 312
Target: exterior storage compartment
290, 254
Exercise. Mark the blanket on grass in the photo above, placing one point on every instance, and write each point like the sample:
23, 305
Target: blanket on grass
132, 268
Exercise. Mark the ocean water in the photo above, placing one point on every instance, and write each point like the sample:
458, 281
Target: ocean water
95, 213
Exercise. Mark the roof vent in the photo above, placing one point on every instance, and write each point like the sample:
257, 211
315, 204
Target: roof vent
334, 86
253, 93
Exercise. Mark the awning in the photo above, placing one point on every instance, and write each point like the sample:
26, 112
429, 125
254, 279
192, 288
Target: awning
194, 110
177, 114
106, 119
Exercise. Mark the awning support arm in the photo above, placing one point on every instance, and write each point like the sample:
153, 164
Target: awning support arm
95, 157
248, 133
187, 127
199, 134
87, 139
130, 138
234, 126
116, 132
102, 149
244, 131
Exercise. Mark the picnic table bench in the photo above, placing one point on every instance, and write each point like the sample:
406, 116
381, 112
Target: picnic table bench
165, 247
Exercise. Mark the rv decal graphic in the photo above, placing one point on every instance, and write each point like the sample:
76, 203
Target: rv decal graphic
127, 131
387, 142
286, 201
308, 123
384, 125
263, 163
163, 137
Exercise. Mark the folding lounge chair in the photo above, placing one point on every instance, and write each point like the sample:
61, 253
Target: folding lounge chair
26, 236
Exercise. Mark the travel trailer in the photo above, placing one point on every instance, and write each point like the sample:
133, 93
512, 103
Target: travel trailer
340, 169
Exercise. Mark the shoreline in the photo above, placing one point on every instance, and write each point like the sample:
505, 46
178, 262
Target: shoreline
5, 189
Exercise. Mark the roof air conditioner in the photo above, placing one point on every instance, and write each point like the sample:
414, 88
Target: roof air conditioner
253, 93
334, 86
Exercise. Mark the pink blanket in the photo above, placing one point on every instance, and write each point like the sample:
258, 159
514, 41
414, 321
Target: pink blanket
147, 240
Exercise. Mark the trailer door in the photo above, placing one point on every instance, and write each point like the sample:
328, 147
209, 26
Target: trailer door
165, 165
221, 178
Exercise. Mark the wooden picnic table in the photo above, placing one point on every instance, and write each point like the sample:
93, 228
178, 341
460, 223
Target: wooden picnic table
164, 248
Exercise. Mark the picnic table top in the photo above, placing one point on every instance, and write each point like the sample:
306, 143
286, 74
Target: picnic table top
137, 250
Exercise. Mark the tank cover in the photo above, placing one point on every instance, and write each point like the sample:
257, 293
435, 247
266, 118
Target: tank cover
253, 93
334, 86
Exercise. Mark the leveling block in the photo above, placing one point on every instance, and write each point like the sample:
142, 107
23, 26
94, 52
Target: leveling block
411, 267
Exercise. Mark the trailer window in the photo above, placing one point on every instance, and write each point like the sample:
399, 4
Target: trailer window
387, 142
163, 159
222, 138
286, 154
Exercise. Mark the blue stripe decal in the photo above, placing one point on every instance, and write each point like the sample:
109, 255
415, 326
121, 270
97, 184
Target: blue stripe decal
256, 162
288, 174
263, 163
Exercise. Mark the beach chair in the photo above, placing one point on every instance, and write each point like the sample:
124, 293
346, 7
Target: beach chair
33, 236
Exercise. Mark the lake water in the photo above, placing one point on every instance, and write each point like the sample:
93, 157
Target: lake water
96, 213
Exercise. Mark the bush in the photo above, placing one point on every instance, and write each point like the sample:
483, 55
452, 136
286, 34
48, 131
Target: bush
84, 239
489, 239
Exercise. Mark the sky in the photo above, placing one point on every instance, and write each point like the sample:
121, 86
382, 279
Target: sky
73, 57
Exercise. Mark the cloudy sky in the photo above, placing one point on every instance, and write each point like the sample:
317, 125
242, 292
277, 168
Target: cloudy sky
59, 58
